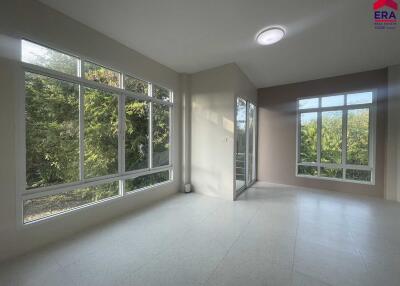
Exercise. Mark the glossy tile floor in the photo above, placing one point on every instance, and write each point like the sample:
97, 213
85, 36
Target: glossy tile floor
274, 235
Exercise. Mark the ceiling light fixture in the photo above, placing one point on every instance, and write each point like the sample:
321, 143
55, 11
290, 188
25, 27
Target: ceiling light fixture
270, 35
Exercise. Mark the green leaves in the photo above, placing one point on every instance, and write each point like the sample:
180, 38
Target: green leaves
101, 133
52, 131
137, 134
53, 136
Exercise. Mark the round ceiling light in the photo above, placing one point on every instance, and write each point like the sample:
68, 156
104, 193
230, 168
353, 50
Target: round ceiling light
270, 36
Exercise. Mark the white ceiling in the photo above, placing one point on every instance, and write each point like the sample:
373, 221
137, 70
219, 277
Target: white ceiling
324, 37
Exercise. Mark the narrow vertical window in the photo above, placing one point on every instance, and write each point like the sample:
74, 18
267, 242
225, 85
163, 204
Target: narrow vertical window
161, 128
101, 133
52, 131
358, 137
308, 137
331, 137
136, 134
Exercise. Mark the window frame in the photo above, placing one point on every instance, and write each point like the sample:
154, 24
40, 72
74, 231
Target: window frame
23, 193
344, 166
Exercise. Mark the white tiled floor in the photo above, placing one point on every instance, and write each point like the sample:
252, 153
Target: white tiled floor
274, 235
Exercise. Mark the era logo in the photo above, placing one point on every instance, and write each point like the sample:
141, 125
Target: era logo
385, 3
384, 15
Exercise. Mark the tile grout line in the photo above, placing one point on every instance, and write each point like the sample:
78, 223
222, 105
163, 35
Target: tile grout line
230, 248
296, 237
158, 254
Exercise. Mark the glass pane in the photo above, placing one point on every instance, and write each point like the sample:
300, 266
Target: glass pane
308, 137
308, 170
51, 205
252, 141
160, 135
48, 58
332, 173
136, 85
330, 101
331, 137
101, 74
358, 175
52, 131
161, 93
146, 181
358, 137
359, 98
240, 143
309, 103
136, 134
101, 133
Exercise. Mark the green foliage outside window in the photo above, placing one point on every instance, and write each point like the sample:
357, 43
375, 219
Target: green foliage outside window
308, 170
42, 207
101, 74
136, 85
132, 185
137, 134
358, 122
358, 137
161, 93
332, 173
308, 137
160, 135
101, 133
331, 137
52, 138
52, 131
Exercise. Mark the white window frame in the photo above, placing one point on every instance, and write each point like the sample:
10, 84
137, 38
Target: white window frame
344, 166
25, 194
251, 180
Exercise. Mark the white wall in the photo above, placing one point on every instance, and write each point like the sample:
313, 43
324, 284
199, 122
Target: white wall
392, 186
243, 87
30, 19
213, 95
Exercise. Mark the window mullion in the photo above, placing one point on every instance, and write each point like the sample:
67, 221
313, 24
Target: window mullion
372, 140
247, 144
344, 142
121, 136
170, 128
298, 138
150, 128
319, 140
81, 133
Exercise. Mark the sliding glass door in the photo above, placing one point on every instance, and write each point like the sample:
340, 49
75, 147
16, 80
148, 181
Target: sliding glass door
241, 116
245, 156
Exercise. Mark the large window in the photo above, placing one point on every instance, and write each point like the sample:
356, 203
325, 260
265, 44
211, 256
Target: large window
91, 133
336, 137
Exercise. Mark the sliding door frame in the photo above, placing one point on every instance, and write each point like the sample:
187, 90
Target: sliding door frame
248, 182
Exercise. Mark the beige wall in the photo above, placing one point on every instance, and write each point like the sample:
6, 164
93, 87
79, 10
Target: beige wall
392, 188
34, 21
213, 95
277, 130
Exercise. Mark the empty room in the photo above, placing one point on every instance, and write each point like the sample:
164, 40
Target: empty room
199, 143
